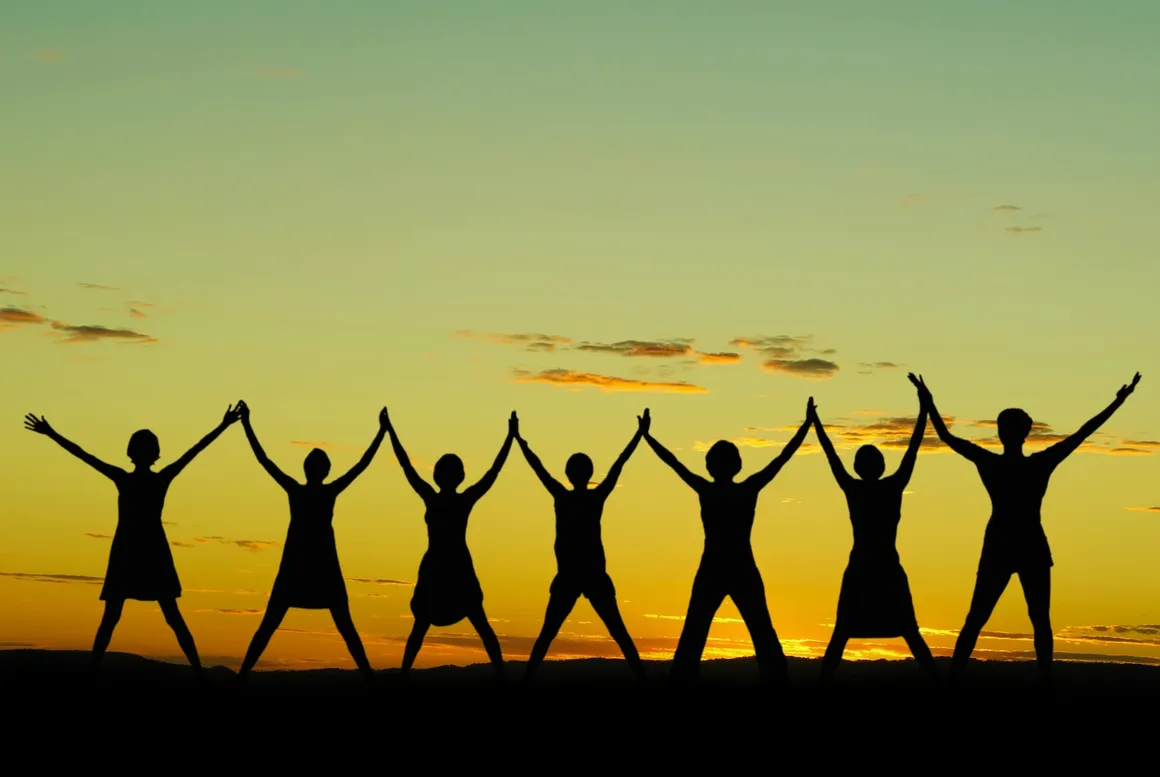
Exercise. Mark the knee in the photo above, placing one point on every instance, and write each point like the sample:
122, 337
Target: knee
1040, 621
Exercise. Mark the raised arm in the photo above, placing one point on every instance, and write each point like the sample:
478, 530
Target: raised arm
906, 468
609, 482
173, 470
965, 448
485, 483
836, 465
41, 426
762, 478
342, 482
280, 477
696, 482
555, 488
1061, 450
421, 486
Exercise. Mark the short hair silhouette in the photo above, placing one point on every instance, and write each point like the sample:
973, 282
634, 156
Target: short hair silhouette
869, 463
448, 472
144, 448
579, 470
1014, 425
316, 466
723, 460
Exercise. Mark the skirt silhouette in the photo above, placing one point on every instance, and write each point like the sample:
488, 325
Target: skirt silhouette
140, 565
310, 576
447, 590
875, 601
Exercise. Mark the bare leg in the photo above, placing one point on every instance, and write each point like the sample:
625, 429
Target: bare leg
750, 600
989, 586
113, 610
414, 642
270, 622
184, 638
1037, 591
921, 652
490, 640
704, 602
606, 608
345, 626
833, 657
559, 606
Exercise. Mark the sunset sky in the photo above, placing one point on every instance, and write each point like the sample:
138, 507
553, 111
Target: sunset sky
575, 211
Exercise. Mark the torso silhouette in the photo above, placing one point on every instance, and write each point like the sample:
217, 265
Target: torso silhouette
447, 588
310, 576
579, 547
875, 511
727, 513
140, 560
1016, 484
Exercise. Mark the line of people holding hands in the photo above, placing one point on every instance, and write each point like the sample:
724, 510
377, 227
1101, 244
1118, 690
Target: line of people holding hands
875, 600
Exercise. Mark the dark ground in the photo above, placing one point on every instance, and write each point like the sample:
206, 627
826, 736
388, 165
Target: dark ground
878, 712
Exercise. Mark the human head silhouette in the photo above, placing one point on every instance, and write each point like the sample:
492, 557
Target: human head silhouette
316, 466
868, 463
579, 471
144, 449
723, 460
1014, 426
448, 472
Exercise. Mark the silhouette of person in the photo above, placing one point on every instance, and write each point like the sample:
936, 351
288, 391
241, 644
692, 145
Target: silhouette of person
309, 577
447, 589
1014, 541
875, 598
140, 561
580, 550
727, 564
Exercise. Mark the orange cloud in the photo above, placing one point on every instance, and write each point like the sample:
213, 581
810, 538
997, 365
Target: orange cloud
91, 333
718, 358
655, 348
10, 315
531, 341
1143, 509
812, 369
561, 377
251, 545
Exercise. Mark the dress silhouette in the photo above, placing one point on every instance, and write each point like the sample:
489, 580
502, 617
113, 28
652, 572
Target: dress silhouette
447, 589
580, 550
140, 561
309, 576
727, 564
875, 599
1014, 542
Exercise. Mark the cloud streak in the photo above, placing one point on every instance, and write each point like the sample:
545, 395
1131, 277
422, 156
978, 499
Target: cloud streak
98, 287
18, 316
53, 578
250, 545
91, 333
530, 341
572, 378
788, 355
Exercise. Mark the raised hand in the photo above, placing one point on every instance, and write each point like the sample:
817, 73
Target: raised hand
644, 422
243, 411
230, 416
384, 419
811, 411
924, 394
1126, 391
38, 425
514, 426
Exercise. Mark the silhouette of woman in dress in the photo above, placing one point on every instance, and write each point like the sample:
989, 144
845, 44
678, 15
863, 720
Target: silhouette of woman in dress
727, 564
1014, 542
140, 562
447, 589
580, 550
309, 577
875, 599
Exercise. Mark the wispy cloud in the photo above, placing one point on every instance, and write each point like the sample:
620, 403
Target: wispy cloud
651, 348
530, 341
16, 316
682, 617
14, 292
562, 377
53, 578
787, 355
97, 287
868, 368
1143, 509
311, 444
379, 581
1018, 230
251, 545
91, 333
1007, 208
718, 358
98, 536
232, 611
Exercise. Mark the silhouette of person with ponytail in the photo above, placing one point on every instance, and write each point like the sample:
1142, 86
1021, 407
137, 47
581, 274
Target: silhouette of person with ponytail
727, 564
309, 576
580, 550
140, 561
875, 600
447, 589
1014, 542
